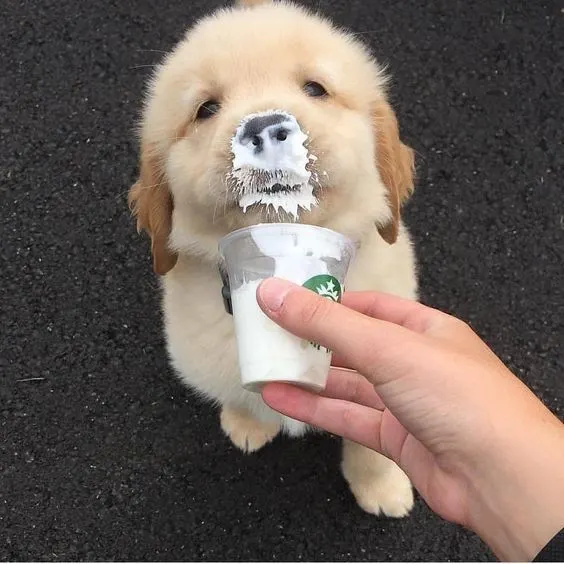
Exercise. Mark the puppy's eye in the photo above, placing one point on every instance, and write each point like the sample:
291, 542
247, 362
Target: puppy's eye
314, 89
208, 109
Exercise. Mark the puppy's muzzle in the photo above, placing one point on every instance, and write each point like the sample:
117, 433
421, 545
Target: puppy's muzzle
265, 141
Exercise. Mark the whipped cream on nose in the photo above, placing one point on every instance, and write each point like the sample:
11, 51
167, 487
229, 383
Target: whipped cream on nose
270, 161
271, 141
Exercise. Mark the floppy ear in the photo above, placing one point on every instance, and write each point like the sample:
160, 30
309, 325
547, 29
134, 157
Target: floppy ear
151, 203
396, 164
252, 2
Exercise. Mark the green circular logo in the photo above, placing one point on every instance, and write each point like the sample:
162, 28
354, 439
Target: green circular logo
326, 286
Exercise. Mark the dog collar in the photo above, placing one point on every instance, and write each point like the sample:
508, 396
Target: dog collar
225, 289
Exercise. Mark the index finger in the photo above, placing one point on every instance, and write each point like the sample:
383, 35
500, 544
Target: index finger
387, 307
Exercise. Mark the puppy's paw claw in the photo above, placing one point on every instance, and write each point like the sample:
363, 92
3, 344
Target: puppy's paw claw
246, 433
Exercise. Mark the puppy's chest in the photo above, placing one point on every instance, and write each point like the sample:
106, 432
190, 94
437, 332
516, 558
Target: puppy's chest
195, 297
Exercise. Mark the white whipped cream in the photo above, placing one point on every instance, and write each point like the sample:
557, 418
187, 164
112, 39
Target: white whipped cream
291, 203
285, 164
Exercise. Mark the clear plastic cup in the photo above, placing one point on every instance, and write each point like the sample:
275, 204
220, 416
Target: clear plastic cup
313, 257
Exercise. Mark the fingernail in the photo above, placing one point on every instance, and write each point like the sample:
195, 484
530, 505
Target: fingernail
273, 292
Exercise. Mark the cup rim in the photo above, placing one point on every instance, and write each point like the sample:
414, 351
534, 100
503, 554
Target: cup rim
227, 239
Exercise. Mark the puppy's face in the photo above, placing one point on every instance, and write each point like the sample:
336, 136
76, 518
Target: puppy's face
266, 113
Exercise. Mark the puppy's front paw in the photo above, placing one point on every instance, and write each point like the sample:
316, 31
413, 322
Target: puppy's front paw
391, 494
378, 484
246, 433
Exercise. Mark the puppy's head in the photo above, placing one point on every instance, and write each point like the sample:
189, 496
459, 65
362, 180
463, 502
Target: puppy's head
265, 112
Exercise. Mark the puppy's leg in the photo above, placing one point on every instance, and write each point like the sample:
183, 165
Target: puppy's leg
245, 431
378, 484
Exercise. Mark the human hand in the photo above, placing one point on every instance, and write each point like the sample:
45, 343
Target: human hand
479, 447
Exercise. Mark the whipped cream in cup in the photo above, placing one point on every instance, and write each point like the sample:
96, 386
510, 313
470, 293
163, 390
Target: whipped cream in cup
313, 257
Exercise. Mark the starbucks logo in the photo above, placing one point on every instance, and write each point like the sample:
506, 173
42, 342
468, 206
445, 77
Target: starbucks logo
326, 286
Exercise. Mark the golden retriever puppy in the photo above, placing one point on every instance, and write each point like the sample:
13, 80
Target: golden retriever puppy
245, 95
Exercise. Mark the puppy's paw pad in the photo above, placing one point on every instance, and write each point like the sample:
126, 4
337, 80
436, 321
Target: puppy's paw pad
390, 494
246, 433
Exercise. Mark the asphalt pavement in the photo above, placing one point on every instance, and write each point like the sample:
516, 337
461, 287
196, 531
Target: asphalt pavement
103, 454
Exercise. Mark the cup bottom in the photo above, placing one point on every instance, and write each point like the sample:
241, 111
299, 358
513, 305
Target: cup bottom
256, 387
314, 379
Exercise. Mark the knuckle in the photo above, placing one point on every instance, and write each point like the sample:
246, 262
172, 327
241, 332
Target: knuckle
352, 389
461, 325
348, 416
314, 310
444, 322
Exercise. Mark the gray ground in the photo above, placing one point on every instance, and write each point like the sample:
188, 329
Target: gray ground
103, 455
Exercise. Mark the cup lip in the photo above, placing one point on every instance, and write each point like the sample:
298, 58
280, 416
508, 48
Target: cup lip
227, 239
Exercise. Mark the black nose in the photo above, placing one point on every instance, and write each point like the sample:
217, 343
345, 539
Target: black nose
255, 126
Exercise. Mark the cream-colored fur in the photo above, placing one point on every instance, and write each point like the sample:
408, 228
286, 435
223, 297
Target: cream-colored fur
249, 59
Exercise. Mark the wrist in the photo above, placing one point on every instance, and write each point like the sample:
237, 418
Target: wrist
516, 505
